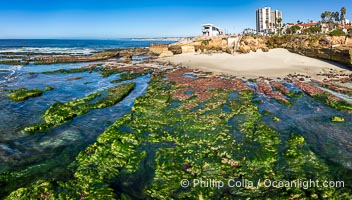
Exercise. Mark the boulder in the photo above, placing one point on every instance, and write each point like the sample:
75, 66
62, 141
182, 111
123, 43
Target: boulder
128, 57
244, 49
229, 49
158, 48
166, 54
224, 42
265, 49
215, 42
176, 49
188, 49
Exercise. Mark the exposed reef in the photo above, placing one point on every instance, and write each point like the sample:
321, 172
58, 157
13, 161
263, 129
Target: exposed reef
60, 113
21, 94
12, 62
105, 55
188, 126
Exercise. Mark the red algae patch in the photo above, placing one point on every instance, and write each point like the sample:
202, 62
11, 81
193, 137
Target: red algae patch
201, 86
337, 88
309, 89
180, 94
268, 91
280, 87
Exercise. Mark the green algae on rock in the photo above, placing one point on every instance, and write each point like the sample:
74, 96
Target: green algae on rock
95, 67
13, 62
165, 140
24, 93
129, 76
276, 119
337, 119
328, 99
60, 113
112, 154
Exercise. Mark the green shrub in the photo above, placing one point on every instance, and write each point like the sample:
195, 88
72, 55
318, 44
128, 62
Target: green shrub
337, 32
205, 42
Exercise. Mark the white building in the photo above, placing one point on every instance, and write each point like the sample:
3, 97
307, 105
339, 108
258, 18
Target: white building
267, 20
211, 30
346, 22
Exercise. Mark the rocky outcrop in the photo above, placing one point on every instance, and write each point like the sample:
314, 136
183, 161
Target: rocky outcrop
105, 55
166, 54
309, 89
332, 48
72, 59
175, 49
339, 54
203, 45
158, 48
266, 89
188, 49
249, 43
280, 87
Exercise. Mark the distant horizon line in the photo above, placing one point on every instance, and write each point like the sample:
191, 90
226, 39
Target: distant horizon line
122, 38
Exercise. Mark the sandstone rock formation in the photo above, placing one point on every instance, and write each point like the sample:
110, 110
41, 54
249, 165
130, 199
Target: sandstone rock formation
332, 48
249, 43
158, 48
166, 54
188, 49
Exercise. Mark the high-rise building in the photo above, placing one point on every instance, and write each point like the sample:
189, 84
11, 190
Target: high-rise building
267, 20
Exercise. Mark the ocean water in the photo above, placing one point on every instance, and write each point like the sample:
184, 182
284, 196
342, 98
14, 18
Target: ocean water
72, 46
41, 153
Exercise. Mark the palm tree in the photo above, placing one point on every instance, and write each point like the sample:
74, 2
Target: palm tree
329, 18
336, 15
267, 24
329, 15
343, 13
279, 21
323, 15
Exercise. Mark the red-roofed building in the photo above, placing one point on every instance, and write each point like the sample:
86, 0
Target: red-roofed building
345, 27
308, 25
302, 26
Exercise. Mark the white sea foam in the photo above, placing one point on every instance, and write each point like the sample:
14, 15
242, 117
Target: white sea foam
10, 73
48, 50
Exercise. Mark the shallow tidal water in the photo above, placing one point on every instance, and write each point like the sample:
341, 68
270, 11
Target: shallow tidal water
49, 154
311, 119
20, 150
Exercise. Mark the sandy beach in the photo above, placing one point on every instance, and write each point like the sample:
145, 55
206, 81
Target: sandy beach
272, 64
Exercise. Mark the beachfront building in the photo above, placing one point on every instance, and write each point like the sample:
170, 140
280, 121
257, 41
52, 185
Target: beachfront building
267, 20
345, 28
307, 26
211, 30
286, 27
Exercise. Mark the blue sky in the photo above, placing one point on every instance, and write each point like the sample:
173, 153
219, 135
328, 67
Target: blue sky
108, 19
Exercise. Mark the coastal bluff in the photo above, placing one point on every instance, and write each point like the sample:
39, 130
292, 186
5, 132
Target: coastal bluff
332, 48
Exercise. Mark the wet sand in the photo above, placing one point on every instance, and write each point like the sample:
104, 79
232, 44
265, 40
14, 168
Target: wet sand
272, 64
